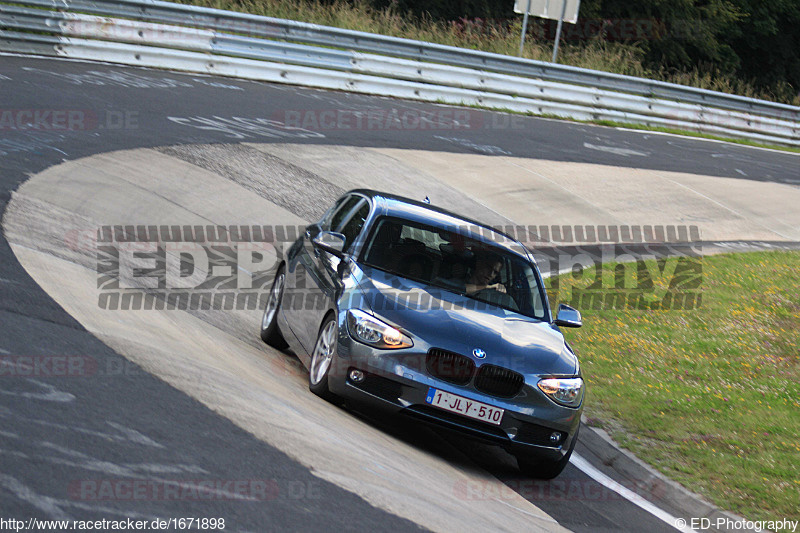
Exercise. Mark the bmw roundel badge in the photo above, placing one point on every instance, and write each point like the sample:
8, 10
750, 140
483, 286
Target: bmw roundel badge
478, 353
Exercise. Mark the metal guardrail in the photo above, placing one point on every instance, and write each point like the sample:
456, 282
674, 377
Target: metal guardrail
200, 31
272, 28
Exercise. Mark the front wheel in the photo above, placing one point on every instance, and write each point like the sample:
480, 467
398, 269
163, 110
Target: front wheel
270, 333
542, 468
322, 360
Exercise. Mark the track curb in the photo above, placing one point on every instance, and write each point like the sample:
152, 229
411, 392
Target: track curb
651, 484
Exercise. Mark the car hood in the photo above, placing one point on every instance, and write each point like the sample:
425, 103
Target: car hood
435, 317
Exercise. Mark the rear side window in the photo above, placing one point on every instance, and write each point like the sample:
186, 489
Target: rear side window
341, 213
354, 225
325, 223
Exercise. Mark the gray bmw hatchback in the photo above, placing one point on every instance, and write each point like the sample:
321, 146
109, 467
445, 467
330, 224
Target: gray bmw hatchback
400, 305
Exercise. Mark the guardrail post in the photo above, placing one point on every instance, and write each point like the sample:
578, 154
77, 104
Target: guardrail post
524, 28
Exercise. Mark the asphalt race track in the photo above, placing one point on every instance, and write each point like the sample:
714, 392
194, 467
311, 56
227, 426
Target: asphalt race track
194, 398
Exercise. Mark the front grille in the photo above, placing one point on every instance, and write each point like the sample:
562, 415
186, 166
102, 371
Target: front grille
449, 366
498, 381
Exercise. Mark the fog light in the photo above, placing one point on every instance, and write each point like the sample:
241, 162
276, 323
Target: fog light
555, 437
356, 376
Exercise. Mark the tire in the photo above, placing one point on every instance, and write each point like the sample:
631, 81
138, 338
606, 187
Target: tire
539, 468
270, 332
322, 360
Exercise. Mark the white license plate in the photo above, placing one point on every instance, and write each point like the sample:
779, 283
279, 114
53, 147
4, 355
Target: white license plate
464, 406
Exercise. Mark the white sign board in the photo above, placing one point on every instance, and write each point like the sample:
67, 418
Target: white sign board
550, 9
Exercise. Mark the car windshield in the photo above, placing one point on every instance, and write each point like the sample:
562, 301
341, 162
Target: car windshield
457, 261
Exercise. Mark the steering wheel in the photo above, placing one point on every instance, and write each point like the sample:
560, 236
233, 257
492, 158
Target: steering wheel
493, 296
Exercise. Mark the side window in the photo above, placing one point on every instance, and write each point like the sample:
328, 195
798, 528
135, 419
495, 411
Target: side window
354, 225
527, 291
341, 213
325, 222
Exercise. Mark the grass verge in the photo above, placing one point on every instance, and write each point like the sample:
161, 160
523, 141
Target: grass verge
708, 396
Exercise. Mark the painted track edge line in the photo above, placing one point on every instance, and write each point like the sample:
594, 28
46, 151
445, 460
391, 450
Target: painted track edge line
584, 466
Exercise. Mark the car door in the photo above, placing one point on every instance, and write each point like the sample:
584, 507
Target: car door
316, 273
299, 262
327, 277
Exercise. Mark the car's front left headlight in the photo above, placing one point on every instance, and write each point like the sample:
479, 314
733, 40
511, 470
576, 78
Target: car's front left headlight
563, 391
373, 332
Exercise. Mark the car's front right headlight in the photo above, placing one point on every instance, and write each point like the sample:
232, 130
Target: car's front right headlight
564, 391
366, 328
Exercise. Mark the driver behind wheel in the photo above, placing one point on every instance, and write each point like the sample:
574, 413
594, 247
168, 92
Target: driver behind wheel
487, 267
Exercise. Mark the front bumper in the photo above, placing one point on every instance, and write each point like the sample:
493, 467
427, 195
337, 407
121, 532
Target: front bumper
397, 382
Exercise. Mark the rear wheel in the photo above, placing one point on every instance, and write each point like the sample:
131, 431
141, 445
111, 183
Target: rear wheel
322, 359
270, 332
543, 469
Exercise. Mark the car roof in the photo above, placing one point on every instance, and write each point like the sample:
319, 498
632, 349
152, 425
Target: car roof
402, 207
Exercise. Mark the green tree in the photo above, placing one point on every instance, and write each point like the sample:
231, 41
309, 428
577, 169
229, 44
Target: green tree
768, 44
753, 41
686, 34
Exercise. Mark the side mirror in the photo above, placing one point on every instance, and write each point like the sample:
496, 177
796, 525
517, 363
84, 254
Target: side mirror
568, 317
331, 242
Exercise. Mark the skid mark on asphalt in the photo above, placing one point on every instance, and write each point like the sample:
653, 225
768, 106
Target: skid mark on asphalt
241, 128
45, 392
486, 149
305, 194
624, 152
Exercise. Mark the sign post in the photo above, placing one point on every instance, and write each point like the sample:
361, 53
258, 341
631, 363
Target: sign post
558, 30
524, 27
561, 10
